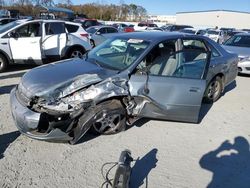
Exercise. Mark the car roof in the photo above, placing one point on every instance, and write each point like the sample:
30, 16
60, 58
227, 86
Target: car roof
39, 20
153, 36
7, 18
73, 23
101, 26
85, 19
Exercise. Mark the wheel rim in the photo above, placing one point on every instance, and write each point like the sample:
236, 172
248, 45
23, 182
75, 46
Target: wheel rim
76, 54
107, 122
1, 64
214, 90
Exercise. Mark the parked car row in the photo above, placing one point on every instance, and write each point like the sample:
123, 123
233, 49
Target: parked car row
41, 41
27, 33
97, 34
240, 44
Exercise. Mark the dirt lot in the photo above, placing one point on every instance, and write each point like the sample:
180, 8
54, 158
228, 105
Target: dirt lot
170, 154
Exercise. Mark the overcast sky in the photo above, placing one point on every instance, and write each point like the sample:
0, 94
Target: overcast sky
172, 6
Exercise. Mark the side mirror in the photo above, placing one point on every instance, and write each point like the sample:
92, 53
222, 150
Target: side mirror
98, 33
13, 34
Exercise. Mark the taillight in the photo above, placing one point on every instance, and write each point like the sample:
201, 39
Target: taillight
85, 35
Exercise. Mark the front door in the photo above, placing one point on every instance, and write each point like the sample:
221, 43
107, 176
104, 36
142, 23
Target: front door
171, 85
25, 43
54, 40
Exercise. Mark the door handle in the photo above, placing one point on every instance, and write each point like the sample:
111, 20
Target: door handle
33, 42
194, 89
4, 43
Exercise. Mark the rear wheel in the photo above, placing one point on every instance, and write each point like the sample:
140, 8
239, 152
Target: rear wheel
214, 90
3, 63
76, 52
110, 119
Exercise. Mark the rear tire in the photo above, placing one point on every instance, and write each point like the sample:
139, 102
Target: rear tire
3, 63
214, 90
76, 52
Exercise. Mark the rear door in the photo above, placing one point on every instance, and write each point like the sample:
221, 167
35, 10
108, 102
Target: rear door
171, 85
26, 44
54, 39
100, 36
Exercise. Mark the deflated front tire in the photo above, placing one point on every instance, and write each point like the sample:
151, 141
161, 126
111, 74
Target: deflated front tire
110, 118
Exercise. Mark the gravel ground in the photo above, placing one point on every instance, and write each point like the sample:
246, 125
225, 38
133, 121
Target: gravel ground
169, 154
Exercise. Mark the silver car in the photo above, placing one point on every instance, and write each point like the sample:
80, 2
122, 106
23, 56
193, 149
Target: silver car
98, 34
143, 74
240, 44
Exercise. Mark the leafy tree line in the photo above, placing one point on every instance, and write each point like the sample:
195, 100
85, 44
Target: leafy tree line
121, 12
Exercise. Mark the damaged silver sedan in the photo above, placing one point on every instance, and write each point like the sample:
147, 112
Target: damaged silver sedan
147, 74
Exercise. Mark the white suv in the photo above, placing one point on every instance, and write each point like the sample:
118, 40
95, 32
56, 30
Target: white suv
77, 30
38, 42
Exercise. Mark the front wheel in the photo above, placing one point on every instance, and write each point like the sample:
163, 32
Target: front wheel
214, 90
110, 119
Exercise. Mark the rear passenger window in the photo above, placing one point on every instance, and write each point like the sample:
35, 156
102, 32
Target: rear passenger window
71, 28
111, 30
102, 30
194, 45
54, 28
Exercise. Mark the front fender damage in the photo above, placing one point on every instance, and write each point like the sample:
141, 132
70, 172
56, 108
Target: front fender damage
80, 106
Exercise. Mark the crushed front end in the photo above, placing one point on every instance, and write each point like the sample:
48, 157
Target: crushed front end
64, 115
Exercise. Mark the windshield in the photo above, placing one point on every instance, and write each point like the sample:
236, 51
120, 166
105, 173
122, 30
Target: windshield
211, 32
240, 40
92, 30
8, 26
117, 54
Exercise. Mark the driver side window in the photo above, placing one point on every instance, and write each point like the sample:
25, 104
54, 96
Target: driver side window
161, 59
165, 60
29, 30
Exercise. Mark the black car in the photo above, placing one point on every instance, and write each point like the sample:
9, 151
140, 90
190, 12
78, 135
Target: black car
4, 21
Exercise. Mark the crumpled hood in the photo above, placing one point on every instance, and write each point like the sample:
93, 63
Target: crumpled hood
62, 78
240, 51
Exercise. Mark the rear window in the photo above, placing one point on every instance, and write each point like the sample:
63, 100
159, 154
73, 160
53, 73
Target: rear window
89, 23
239, 40
2, 22
213, 32
54, 28
72, 28
142, 25
187, 31
92, 30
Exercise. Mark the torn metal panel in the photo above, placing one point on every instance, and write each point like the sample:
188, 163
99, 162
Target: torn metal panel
95, 93
70, 86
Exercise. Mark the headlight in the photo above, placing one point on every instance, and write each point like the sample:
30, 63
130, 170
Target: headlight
82, 96
90, 93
